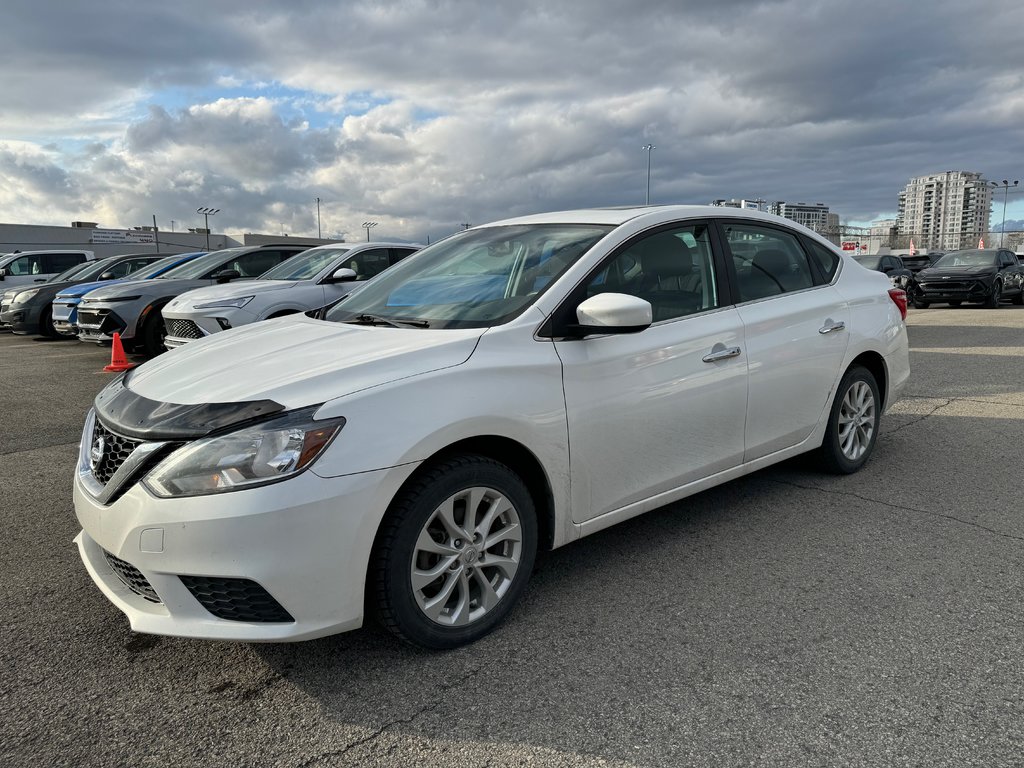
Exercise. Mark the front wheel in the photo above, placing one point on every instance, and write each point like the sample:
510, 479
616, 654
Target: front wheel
153, 334
454, 553
920, 304
852, 423
46, 324
997, 291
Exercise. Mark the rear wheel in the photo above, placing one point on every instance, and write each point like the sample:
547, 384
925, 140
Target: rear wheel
852, 423
454, 553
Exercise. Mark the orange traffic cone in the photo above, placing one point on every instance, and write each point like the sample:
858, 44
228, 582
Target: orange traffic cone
118, 360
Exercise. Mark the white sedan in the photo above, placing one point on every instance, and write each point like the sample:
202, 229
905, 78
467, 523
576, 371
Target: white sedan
313, 279
512, 388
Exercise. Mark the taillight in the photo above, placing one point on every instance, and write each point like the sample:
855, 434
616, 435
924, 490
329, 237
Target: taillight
899, 298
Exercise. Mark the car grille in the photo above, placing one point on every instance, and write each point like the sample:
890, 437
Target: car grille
183, 329
89, 317
116, 450
235, 599
132, 578
949, 286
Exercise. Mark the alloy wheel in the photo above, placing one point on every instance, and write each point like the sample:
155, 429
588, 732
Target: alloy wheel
856, 420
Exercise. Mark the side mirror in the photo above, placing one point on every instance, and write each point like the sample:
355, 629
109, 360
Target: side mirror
612, 313
226, 275
342, 275
107, 276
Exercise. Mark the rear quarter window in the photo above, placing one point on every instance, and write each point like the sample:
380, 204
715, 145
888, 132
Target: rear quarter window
826, 259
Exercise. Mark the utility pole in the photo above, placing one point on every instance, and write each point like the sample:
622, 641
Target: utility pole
156, 234
318, 218
648, 149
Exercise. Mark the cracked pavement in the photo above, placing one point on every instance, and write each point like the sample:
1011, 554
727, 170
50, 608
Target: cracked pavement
788, 618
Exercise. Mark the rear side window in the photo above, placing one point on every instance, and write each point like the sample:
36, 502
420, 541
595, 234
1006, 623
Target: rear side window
26, 265
828, 260
58, 262
768, 261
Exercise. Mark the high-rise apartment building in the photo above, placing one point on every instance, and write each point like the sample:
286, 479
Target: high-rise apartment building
945, 211
813, 216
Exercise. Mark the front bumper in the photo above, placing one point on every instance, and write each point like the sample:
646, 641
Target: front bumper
21, 318
183, 328
953, 289
65, 317
99, 324
306, 541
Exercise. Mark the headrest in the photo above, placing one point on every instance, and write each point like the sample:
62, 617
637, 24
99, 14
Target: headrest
665, 255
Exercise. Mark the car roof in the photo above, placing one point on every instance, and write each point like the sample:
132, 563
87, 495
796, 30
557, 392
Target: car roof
620, 215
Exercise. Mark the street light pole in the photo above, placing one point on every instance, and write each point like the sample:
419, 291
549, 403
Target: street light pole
368, 225
318, 219
1006, 190
647, 148
207, 213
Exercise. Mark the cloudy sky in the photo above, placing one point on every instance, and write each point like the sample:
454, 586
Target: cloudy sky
426, 114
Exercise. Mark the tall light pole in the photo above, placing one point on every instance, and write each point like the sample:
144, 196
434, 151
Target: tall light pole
648, 148
318, 219
1006, 190
207, 213
368, 225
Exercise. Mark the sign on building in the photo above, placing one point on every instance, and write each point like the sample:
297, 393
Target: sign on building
121, 236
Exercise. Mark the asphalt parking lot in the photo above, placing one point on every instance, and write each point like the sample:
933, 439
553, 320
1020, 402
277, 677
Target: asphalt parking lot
786, 619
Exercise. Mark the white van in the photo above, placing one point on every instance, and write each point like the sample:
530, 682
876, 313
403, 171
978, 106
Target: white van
27, 267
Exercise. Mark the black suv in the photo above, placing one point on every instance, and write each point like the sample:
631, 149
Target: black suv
981, 275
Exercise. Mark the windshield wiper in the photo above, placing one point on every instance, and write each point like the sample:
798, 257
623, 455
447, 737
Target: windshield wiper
394, 323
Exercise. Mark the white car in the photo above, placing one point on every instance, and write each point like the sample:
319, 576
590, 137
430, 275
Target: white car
514, 387
28, 267
313, 279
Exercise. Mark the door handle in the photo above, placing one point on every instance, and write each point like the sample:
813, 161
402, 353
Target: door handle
721, 354
830, 326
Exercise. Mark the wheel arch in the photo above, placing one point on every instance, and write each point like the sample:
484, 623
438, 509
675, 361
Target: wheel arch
516, 457
875, 363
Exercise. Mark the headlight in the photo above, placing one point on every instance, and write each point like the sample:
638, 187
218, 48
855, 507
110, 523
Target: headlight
24, 296
239, 302
264, 453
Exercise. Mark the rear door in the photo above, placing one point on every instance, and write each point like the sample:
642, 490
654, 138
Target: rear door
795, 325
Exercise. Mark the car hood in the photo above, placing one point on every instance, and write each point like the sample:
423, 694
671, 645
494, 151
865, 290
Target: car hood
153, 287
229, 291
954, 271
297, 361
80, 289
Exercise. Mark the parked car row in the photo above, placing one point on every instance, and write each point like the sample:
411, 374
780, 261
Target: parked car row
512, 388
201, 293
981, 276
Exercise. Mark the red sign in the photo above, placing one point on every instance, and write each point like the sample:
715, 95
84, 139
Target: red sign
850, 246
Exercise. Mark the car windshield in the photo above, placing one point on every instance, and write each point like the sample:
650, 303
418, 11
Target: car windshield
304, 266
477, 279
974, 258
85, 270
871, 262
155, 268
199, 267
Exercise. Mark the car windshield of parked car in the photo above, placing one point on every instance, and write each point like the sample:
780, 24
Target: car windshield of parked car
477, 279
200, 266
870, 262
82, 270
975, 258
154, 269
304, 266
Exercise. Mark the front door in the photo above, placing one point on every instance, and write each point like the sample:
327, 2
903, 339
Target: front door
649, 412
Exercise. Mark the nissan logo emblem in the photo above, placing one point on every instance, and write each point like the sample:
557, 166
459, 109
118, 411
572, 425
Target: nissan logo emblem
99, 447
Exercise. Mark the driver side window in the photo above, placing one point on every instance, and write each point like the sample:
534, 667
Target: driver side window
672, 269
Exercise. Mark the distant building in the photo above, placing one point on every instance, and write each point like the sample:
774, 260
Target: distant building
881, 234
753, 205
813, 216
944, 211
87, 235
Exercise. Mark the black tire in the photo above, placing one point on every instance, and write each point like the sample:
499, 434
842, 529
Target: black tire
920, 304
46, 324
414, 517
153, 334
1019, 298
840, 452
992, 302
